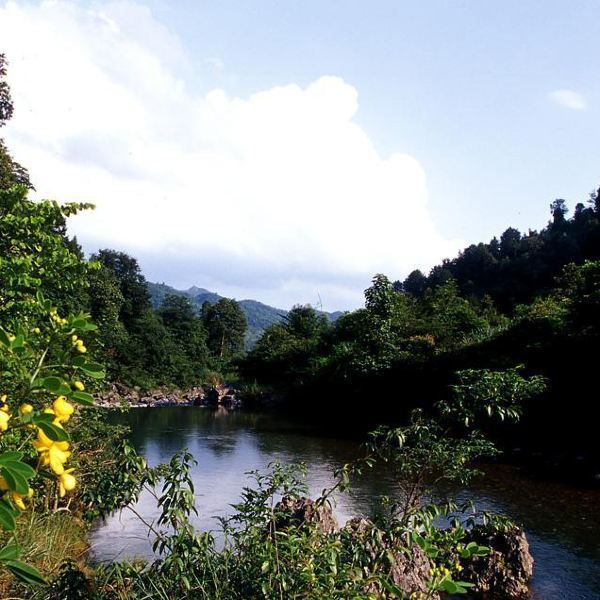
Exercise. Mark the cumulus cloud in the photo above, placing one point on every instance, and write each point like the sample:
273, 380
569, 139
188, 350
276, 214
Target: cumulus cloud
568, 99
280, 196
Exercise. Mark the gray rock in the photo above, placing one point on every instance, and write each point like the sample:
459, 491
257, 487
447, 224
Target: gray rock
406, 565
506, 572
299, 511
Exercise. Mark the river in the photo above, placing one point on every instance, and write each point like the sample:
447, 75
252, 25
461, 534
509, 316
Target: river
561, 522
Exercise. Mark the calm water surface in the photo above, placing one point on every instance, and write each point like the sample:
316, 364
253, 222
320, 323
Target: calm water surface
562, 523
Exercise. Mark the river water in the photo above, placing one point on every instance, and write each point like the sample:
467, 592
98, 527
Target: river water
562, 523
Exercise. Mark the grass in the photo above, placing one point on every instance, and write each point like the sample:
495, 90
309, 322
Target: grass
46, 541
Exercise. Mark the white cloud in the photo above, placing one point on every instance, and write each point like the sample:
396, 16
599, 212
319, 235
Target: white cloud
568, 99
279, 196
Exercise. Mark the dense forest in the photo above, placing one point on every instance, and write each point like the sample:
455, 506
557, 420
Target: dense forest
530, 300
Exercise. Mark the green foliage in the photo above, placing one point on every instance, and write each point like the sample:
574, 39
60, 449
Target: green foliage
11, 172
424, 454
451, 317
288, 349
518, 268
34, 255
37, 364
132, 284
225, 325
491, 393
187, 330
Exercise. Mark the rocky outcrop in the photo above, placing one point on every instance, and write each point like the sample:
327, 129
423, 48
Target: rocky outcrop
407, 566
299, 511
505, 573
118, 394
407, 569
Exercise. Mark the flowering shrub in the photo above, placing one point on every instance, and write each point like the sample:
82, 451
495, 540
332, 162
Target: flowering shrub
42, 371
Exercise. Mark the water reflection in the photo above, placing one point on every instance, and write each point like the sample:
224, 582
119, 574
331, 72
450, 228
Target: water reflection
562, 523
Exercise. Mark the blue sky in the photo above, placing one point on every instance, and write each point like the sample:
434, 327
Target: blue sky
461, 86
491, 108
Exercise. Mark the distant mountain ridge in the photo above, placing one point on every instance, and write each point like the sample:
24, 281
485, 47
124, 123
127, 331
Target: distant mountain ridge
259, 316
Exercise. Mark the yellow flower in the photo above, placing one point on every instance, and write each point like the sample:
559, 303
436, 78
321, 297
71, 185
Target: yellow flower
79, 345
62, 409
4, 418
18, 498
4, 405
36, 330
78, 386
66, 482
53, 454
25, 409
3, 398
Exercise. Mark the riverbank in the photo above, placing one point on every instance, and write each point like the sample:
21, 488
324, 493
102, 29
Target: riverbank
117, 395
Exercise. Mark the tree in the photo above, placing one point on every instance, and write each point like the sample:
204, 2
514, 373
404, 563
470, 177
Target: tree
104, 302
509, 242
415, 283
304, 322
186, 328
132, 283
559, 209
11, 172
449, 316
34, 255
225, 325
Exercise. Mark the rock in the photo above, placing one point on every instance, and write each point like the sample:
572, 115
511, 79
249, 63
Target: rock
212, 396
408, 570
506, 572
298, 511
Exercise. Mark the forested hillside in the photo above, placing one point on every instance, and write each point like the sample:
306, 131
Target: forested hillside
526, 300
259, 316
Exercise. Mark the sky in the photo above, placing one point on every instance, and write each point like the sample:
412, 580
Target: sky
287, 151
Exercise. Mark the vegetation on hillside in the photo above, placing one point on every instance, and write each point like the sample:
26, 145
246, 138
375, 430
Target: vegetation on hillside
531, 300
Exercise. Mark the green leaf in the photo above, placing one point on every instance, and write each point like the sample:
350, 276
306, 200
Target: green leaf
93, 370
4, 338
21, 467
24, 572
55, 385
42, 418
9, 552
15, 480
55, 433
82, 398
7, 515
78, 361
450, 587
10, 456
18, 341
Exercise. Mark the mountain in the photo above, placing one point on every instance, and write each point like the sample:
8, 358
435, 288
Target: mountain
259, 315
